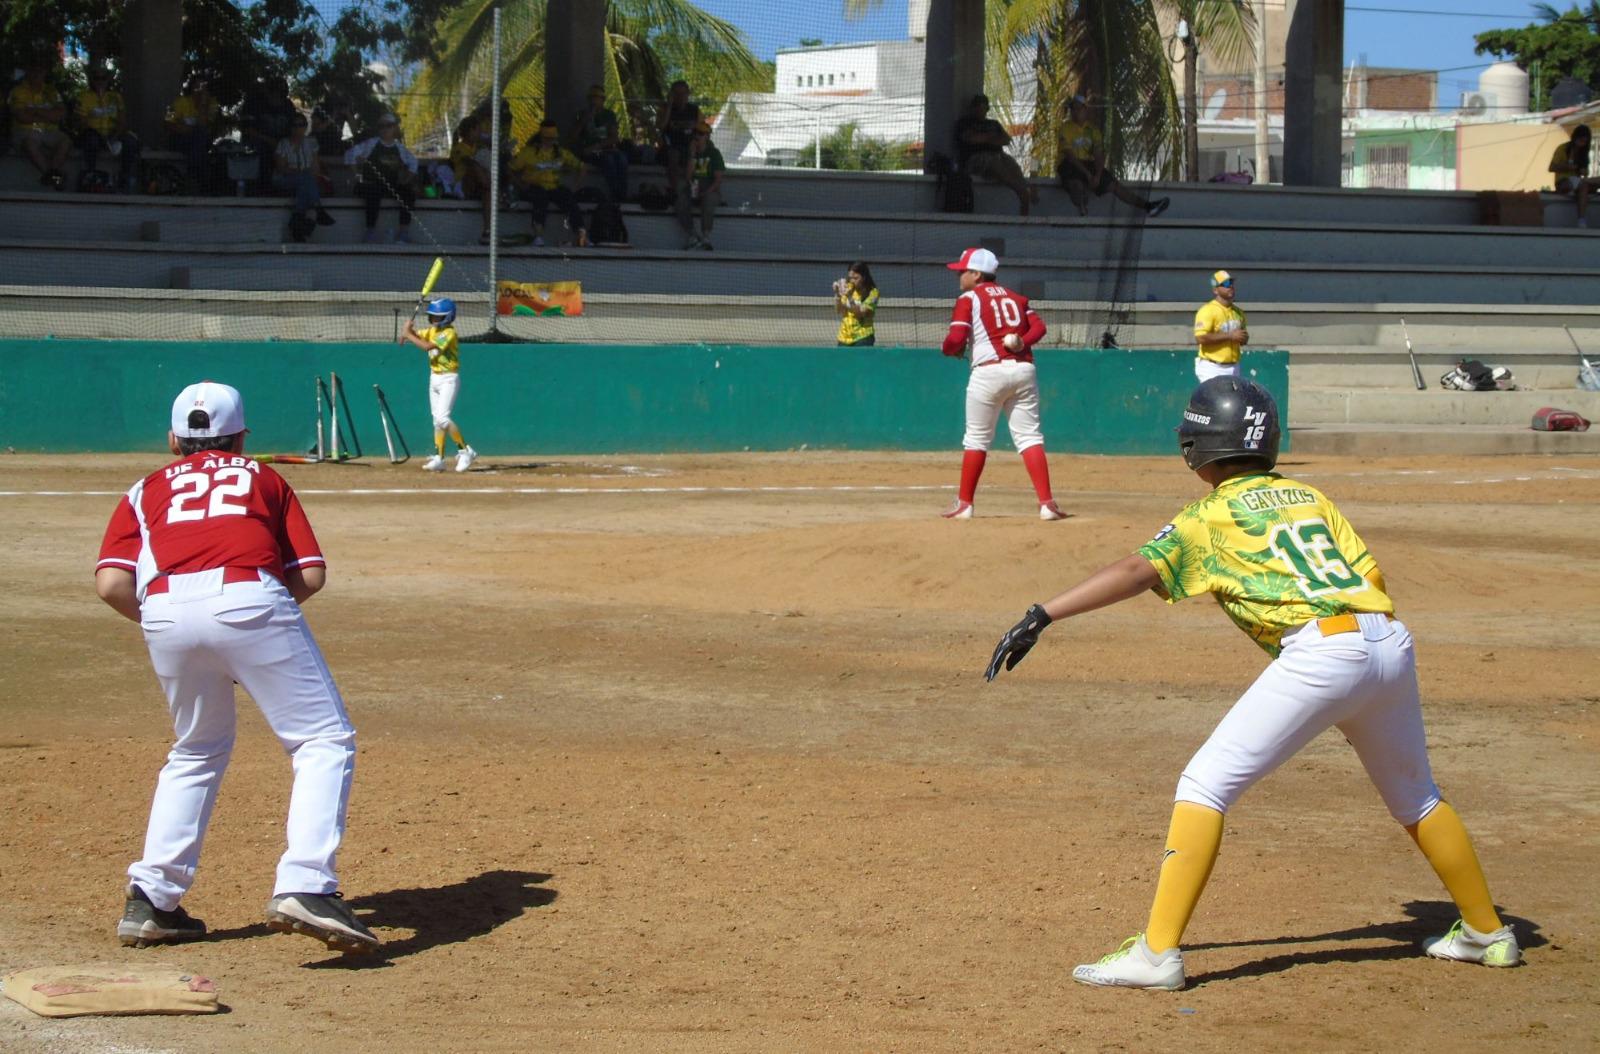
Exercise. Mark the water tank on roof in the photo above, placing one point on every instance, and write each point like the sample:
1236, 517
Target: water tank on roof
1507, 85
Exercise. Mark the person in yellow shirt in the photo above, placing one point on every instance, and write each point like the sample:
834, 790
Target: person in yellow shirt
540, 171
104, 119
439, 340
193, 122
1289, 570
1570, 163
1219, 332
1083, 165
855, 299
36, 113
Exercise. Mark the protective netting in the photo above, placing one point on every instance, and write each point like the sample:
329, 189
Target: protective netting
818, 118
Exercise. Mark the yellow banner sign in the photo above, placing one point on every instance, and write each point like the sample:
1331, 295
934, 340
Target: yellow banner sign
556, 299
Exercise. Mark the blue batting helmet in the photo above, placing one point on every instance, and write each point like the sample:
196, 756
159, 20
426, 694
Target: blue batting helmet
442, 311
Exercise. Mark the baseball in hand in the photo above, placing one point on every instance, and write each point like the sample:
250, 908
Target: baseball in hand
1012, 342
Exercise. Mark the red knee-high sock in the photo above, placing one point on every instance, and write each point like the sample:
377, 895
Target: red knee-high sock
971, 468
1039, 471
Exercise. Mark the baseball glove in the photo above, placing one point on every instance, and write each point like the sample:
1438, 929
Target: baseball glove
1018, 641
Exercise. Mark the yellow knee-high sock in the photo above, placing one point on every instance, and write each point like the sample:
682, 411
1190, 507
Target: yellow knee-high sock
438, 441
1443, 839
455, 434
1192, 844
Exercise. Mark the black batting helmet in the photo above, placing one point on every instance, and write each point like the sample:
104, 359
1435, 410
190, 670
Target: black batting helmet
1229, 417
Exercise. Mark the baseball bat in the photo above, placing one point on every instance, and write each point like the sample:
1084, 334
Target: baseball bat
427, 285
1416, 371
1581, 357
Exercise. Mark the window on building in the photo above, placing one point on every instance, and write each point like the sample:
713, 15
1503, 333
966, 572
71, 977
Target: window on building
830, 80
799, 82
1389, 166
808, 80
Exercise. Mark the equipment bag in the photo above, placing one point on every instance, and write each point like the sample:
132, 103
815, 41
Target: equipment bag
1550, 419
1470, 375
606, 226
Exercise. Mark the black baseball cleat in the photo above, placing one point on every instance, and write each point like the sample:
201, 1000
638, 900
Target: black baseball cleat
324, 916
144, 924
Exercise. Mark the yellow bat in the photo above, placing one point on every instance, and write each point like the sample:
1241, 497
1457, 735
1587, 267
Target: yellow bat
428, 284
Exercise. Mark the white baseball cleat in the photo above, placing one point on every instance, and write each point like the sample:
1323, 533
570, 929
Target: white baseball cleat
1051, 511
1465, 944
958, 510
1134, 965
464, 458
433, 464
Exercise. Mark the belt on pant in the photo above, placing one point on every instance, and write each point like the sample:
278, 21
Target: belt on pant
996, 362
1333, 625
230, 575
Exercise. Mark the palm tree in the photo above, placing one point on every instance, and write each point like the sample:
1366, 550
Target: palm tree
646, 40
1114, 51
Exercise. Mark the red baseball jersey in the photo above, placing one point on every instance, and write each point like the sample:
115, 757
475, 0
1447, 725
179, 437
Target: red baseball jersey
209, 510
984, 316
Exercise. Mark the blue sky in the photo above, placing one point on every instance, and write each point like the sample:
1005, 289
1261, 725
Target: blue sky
1440, 40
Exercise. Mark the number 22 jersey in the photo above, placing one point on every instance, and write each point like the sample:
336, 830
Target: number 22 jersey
206, 511
1275, 553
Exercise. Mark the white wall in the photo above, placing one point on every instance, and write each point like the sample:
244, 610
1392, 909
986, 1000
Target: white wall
853, 68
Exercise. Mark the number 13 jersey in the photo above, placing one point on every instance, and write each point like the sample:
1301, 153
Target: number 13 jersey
1275, 553
205, 511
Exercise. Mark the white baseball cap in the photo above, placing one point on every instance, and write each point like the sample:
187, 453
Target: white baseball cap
976, 260
222, 405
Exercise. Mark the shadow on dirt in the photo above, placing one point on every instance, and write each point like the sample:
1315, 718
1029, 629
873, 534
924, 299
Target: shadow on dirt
436, 915
1427, 918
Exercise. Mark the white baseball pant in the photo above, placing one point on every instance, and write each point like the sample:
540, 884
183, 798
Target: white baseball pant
442, 389
1006, 386
1205, 369
1364, 683
203, 636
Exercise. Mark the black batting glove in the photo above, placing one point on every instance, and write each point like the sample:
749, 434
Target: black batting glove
1018, 641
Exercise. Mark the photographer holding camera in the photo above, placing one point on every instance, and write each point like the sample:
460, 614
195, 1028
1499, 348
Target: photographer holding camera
855, 300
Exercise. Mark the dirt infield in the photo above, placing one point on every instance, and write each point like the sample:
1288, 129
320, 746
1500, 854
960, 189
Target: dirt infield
694, 754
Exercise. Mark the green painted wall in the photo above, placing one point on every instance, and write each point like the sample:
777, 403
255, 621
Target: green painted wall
65, 396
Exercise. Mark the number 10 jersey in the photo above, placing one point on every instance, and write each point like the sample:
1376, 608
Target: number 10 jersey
1275, 553
206, 511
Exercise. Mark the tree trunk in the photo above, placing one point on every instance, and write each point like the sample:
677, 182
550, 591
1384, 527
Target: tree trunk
1191, 116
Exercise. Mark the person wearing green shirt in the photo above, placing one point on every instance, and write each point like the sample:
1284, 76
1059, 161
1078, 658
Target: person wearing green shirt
703, 170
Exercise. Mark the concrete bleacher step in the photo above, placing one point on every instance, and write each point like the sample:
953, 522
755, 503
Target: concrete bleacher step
1392, 440
1382, 407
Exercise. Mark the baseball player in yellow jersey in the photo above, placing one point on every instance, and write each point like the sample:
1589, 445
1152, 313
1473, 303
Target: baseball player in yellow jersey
1219, 332
1292, 573
439, 340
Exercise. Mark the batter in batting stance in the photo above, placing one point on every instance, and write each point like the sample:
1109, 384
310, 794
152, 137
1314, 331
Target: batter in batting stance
1295, 576
213, 556
1000, 329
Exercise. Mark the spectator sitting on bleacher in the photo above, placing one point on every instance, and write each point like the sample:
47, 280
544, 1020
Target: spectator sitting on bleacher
265, 116
36, 113
597, 143
539, 170
104, 120
472, 176
702, 181
675, 126
1570, 163
1083, 170
980, 151
298, 169
193, 122
387, 169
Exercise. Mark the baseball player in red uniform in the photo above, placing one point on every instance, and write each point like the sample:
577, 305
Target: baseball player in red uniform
213, 556
1000, 329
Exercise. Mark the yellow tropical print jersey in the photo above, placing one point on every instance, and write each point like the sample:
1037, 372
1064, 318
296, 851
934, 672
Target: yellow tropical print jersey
1214, 318
1275, 553
853, 329
444, 337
